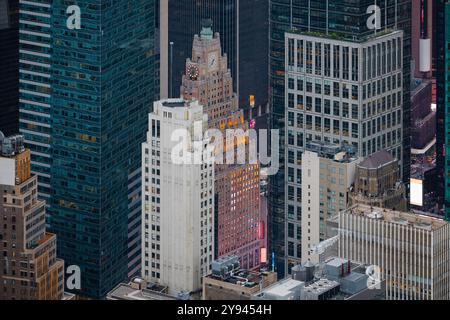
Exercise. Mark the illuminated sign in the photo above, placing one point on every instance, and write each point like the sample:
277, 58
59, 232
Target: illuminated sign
261, 230
252, 101
263, 255
416, 192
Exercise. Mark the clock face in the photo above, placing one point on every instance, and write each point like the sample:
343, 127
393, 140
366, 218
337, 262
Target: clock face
192, 72
213, 61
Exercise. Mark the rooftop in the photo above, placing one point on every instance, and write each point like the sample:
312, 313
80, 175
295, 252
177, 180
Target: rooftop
333, 279
174, 103
320, 286
338, 153
12, 145
284, 289
419, 221
336, 262
127, 292
418, 171
418, 85
377, 160
242, 277
68, 296
354, 38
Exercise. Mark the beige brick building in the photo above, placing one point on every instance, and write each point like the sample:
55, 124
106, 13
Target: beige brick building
410, 251
29, 268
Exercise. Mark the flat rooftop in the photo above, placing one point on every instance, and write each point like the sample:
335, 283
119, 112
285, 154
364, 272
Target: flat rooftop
174, 103
242, 277
335, 152
282, 288
351, 38
320, 286
420, 221
418, 171
127, 292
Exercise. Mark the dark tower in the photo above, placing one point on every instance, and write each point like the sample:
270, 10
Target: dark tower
9, 67
243, 28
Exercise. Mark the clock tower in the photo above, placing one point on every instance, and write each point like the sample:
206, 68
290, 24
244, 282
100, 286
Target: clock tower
208, 79
238, 227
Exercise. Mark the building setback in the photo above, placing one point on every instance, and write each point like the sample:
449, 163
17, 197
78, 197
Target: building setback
29, 268
178, 199
85, 95
409, 251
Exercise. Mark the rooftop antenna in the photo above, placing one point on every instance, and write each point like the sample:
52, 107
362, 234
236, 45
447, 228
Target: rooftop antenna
171, 71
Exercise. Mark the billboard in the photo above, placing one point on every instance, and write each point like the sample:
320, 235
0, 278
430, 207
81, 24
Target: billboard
416, 192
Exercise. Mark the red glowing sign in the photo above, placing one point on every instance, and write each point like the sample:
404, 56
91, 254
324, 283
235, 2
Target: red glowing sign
263, 255
252, 124
261, 230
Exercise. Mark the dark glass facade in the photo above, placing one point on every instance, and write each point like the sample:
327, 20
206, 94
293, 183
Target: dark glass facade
441, 21
348, 19
94, 112
243, 28
439, 52
9, 67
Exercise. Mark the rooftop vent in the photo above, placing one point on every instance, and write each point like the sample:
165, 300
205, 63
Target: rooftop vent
377, 215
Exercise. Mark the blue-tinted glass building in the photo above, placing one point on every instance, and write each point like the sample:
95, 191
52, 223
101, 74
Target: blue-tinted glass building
98, 97
35, 87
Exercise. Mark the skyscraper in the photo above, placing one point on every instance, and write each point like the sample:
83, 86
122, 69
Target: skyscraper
441, 20
85, 97
408, 250
338, 19
35, 88
243, 26
346, 92
328, 173
178, 198
237, 191
9, 66
422, 38
29, 268
443, 94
